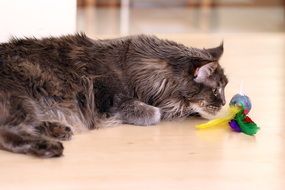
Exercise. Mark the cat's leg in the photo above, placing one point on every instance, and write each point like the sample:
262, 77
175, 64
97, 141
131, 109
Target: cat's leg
54, 130
138, 113
13, 141
18, 119
173, 108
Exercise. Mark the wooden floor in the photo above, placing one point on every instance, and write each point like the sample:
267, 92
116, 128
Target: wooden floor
174, 155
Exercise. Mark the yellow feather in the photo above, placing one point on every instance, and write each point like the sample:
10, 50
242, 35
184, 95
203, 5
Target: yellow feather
233, 110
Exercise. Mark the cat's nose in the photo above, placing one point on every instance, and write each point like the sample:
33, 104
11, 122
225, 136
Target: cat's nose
222, 101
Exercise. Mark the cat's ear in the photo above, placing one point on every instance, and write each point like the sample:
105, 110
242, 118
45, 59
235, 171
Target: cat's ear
216, 52
202, 73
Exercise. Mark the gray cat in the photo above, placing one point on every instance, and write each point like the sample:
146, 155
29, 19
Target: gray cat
51, 87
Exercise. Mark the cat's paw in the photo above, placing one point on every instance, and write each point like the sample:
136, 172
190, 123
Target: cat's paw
139, 113
154, 117
45, 148
61, 132
55, 130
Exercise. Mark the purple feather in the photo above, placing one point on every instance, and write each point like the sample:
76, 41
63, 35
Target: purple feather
234, 125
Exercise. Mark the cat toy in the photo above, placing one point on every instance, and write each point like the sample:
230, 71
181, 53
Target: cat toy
237, 118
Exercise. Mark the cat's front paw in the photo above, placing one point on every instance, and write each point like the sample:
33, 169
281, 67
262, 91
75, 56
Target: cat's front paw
139, 113
155, 117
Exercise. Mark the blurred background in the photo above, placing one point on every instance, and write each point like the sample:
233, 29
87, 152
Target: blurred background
123, 17
180, 16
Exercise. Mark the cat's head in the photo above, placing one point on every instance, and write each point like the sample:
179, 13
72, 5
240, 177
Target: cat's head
210, 80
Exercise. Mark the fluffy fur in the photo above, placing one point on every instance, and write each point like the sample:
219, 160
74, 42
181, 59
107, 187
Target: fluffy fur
52, 87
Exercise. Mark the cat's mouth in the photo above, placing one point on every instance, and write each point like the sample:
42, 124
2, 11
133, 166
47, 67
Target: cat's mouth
213, 109
195, 114
210, 111
205, 111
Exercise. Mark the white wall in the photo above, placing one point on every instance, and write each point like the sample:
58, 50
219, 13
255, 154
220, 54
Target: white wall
37, 18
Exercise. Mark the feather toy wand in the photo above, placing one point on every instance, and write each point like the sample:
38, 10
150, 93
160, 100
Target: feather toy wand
237, 118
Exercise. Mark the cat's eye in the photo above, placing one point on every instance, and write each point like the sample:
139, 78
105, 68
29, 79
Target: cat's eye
215, 91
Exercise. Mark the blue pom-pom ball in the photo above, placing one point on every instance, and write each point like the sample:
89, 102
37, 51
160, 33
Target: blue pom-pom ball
243, 101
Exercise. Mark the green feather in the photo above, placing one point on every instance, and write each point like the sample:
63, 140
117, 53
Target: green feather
246, 127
